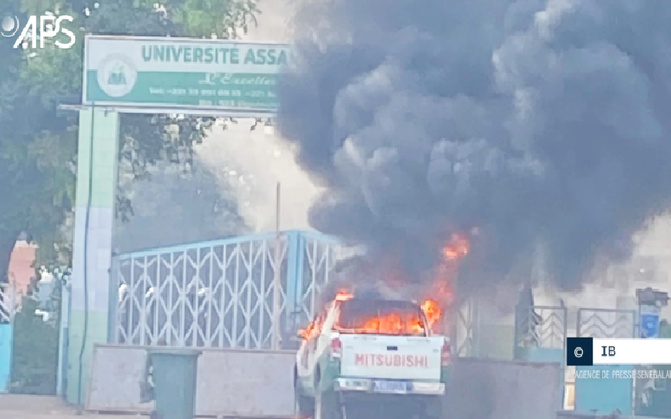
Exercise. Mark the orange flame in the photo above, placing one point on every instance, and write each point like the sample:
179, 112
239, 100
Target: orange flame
314, 327
432, 312
441, 290
457, 248
344, 295
441, 293
309, 332
393, 323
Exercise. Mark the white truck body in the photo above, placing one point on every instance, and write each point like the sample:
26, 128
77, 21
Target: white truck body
391, 357
347, 357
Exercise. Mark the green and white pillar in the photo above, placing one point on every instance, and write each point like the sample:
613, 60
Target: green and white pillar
94, 216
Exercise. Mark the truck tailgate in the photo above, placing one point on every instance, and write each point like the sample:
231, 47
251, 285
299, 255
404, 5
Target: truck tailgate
391, 357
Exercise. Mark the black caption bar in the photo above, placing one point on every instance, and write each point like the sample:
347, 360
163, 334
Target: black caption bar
579, 351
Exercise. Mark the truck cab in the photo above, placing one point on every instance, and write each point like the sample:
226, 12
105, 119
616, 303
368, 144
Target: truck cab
370, 353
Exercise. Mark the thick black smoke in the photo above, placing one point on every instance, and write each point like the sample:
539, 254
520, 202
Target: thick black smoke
536, 121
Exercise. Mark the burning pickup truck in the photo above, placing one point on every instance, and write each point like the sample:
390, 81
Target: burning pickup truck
371, 354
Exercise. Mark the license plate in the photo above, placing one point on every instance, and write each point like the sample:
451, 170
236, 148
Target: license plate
398, 387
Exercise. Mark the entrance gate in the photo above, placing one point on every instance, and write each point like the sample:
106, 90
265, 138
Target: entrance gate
125, 75
219, 294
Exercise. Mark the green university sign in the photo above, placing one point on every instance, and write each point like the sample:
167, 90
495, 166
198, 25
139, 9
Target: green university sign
158, 74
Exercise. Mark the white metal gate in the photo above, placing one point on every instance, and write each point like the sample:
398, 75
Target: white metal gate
219, 294
466, 324
606, 323
540, 327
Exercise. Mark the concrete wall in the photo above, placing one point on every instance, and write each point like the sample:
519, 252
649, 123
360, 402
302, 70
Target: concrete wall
495, 341
230, 383
259, 384
488, 389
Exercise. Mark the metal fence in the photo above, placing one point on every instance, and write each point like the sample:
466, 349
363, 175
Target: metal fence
541, 327
606, 323
219, 294
465, 332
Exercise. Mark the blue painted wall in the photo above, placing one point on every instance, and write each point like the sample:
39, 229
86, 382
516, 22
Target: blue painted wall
6, 342
604, 395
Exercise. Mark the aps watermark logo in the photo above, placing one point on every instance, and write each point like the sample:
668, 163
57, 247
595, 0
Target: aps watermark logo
37, 29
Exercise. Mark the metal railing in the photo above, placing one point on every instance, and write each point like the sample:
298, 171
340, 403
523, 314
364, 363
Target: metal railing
540, 326
606, 323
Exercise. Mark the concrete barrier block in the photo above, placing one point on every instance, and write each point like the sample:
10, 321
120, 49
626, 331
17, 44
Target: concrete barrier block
231, 383
481, 388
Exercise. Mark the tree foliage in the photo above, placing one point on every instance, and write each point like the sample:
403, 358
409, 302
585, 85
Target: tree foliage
35, 346
38, 142
36, 181
35, 354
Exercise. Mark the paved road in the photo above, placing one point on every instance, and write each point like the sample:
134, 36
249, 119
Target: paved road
38, 407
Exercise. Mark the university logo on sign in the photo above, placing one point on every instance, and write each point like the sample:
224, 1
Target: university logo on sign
117, 75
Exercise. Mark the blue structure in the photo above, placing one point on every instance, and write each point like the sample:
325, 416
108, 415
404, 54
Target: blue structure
649, 321
6, 342
6, 336
605, 395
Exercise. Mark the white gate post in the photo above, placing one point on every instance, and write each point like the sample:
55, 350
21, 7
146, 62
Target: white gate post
94, 216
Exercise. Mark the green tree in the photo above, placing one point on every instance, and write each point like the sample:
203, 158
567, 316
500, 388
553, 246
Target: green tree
36, 341
38, 143
36, 183
35, 351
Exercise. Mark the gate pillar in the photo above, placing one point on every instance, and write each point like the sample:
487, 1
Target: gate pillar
540, 336
94, 216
